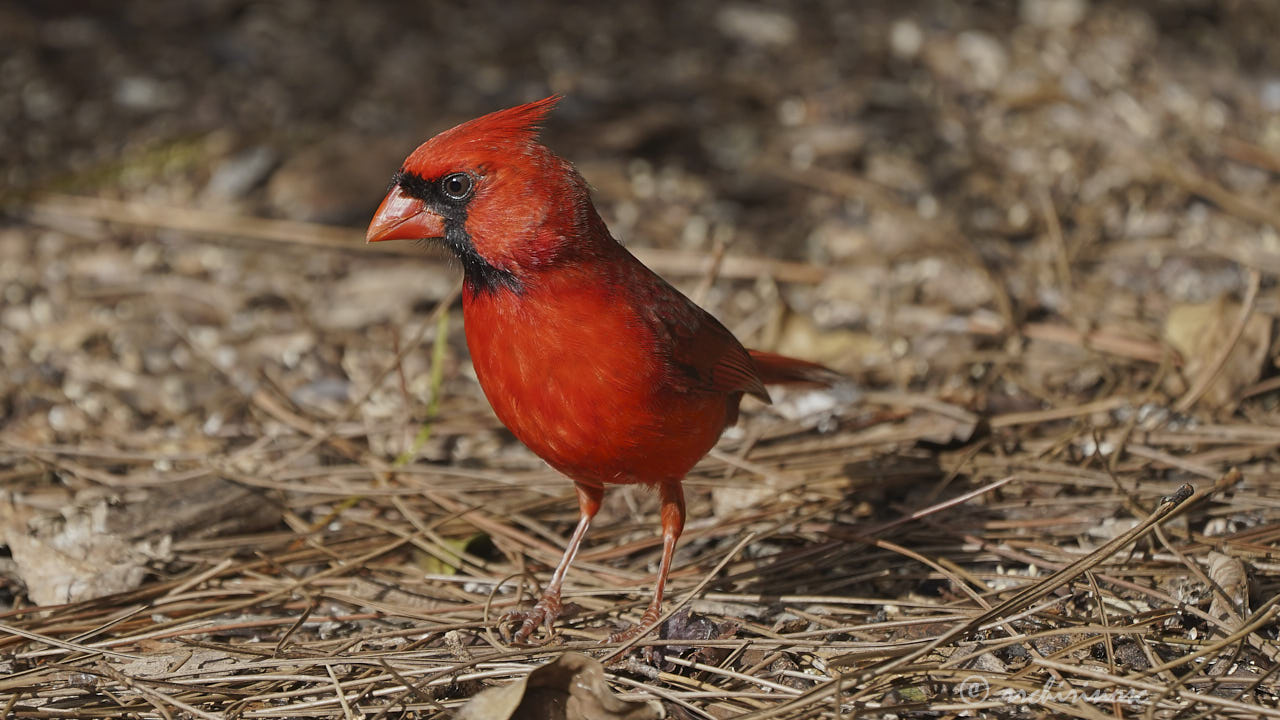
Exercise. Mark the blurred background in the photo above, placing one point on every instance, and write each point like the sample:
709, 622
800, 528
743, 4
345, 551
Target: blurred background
938, 173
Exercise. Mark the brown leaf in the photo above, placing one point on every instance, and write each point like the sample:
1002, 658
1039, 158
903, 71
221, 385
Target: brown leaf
69, 557
800, 337
96, 548
571, 687
1198, 333
1229, 575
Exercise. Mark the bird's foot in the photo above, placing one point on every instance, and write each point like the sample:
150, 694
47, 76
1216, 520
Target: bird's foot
625, 634
544, 613
631, 632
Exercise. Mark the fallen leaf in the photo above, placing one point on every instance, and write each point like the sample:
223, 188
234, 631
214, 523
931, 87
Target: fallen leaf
71, 557
433, 565
801, 337
1232, 603
686, 625
97, 548
747, 492
571, 687
1198, 333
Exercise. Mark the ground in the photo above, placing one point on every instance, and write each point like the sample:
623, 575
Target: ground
248, 473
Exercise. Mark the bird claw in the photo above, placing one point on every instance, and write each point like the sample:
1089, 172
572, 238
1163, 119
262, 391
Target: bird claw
647, 622
544, 613
625, 634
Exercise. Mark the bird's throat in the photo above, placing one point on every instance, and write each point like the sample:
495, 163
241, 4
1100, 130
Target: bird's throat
480, 275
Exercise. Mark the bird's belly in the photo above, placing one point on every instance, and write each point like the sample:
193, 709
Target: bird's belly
597, 440
593, 401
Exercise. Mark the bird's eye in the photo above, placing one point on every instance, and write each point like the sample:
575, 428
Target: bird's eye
457, 186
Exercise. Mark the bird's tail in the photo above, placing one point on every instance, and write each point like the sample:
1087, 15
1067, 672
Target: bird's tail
774, 369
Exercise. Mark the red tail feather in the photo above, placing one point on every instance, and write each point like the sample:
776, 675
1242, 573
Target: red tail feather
774, 369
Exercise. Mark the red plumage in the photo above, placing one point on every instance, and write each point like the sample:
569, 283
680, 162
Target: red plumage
592, 360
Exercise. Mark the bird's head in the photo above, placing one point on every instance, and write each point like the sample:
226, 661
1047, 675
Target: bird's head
495, 196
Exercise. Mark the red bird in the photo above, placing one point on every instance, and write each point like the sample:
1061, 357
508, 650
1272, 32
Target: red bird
594, 362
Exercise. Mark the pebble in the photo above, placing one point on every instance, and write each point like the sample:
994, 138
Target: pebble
905, 39
1052, 13
757, 26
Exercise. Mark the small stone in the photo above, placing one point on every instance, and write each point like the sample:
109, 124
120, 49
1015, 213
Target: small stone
756, 25
66, 419
984, 56
1053, 13
1271, 95
905, 39
239, 174
138, 92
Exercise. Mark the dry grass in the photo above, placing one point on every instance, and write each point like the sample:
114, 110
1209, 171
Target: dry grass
909, 558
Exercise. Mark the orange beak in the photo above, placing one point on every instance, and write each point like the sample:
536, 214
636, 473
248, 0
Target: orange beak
401, 217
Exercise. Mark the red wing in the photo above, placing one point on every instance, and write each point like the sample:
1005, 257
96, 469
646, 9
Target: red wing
718, 360
702, 350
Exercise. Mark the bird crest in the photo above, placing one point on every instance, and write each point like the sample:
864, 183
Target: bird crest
519, 124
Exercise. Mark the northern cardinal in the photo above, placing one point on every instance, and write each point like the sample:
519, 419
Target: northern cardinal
594, 362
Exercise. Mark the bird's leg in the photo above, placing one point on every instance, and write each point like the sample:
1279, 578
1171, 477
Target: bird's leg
549, 607
672, 495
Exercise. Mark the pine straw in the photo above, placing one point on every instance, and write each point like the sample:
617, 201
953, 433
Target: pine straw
314, 623
1058, 554
1096, 549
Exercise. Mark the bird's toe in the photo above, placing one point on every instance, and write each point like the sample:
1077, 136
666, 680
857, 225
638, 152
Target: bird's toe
526, 621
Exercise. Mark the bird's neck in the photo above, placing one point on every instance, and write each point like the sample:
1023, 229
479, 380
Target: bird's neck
479, 277
592, 252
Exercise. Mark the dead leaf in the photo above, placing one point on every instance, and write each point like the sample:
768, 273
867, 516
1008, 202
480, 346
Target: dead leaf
1198, 333
70, 557
97, 548
686, 625
158, 658
729, 499
1232, 604
571, 687
433, 565
801, 337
